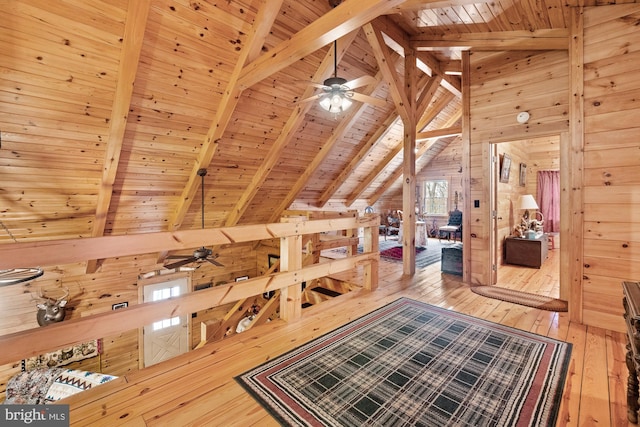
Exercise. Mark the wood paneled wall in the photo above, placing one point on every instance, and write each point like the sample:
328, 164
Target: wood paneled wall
611, 192
95, 293
502, 84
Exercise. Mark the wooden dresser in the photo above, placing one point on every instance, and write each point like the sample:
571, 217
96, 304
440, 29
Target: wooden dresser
631, 303
527, 252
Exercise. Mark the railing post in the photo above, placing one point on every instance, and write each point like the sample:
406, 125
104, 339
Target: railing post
370, 244
291, 260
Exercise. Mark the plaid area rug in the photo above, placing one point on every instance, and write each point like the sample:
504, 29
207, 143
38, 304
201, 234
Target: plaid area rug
413, 364
391, 250
395, 253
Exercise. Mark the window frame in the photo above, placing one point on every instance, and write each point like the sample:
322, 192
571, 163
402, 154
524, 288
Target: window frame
445, 203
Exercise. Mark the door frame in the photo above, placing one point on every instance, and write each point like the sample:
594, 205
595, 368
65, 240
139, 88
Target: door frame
160, 278
494, 166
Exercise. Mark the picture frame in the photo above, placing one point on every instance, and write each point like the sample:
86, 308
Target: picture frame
505, 168
523, 174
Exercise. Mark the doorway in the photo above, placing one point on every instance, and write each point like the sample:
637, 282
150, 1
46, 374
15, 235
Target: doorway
523, 160
165, 338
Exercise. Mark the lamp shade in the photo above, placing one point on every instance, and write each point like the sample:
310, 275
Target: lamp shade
526, 201
335, 102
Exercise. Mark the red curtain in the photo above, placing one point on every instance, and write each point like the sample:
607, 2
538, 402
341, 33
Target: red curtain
549, 199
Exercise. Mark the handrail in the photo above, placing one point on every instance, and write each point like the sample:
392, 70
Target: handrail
36, 341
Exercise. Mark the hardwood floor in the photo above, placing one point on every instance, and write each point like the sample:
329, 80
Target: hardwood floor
199, 388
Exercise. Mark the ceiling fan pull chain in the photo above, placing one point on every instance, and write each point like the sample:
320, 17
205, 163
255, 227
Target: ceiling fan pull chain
8, 232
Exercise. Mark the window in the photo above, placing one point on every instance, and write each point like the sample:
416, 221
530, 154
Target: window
436, 197
159, 295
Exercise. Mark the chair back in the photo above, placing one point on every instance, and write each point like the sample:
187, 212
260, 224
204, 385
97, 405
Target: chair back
455, 217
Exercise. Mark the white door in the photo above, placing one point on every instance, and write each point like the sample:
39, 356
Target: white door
165, 338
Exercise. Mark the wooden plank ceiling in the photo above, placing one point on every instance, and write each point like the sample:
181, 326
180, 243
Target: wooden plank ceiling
110, 107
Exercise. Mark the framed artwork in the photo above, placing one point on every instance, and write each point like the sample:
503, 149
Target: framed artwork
523, 174
505, 168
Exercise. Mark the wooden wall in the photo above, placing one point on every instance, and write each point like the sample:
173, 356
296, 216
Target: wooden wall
538, 82
611, 192
503, 84
115, 282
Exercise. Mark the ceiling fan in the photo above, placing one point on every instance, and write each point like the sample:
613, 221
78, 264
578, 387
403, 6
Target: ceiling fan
201, 254
338, 93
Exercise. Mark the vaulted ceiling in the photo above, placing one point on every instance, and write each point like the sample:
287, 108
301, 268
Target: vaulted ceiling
110, 107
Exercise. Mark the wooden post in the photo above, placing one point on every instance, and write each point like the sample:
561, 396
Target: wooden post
409, 168
291, 260
371, 245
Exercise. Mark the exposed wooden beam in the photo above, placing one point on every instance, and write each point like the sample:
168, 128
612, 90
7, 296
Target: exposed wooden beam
345, 124
426, 118
378, 135
397, 40
451, 83
409, 164
347, 17
397, 173
365, 148
68, 251
294, 121
383, 57
427, 4
132, 42
439, 133
366, 182
425, 98
265, 18
550, 39
33, 342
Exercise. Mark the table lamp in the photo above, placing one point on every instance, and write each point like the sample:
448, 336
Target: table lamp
526, 202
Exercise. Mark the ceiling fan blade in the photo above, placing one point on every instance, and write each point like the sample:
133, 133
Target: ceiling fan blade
320, 86
180, 263
369, 99
178, 256
312, 98
360, 81
214, 262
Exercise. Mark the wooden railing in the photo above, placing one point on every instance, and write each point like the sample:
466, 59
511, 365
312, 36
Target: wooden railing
32, 342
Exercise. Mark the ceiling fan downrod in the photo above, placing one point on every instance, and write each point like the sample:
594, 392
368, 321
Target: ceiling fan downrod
202, 173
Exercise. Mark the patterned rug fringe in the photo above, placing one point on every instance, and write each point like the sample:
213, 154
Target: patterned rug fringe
522, 298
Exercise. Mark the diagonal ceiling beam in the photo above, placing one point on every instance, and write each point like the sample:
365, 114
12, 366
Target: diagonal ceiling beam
378, 135
451, 83
341, 20
397, 40
397, 173
295, 120
132, 41
426, 118
346, 123
382, 130
425, 99
264, 20
383, 57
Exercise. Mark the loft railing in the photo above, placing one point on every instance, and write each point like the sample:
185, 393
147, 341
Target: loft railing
33, 342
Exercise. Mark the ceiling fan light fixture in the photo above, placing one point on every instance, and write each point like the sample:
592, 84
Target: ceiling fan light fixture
335, 102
